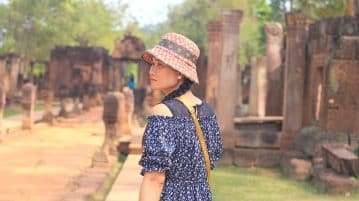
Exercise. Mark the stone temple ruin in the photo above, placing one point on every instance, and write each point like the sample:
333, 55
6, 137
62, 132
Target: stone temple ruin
303, 109
296, 107
85, 74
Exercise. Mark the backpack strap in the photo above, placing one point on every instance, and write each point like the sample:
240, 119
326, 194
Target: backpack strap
200, 137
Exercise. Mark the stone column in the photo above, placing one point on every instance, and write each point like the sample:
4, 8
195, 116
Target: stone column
200, 89
48, 95
15, 67
262, 86
93, 95
110, 116
258, 87
350, 8
3, 79
122, 116
86, 102
294, 77
2, 107
253, 89
31, 73
98, 82
75, 95
353, 8
239, 87
274, 40
139, 95
98, 96
227, 88
28, 103
4, 75
143, 70
214, 61
63, 94
129, 108
76, 107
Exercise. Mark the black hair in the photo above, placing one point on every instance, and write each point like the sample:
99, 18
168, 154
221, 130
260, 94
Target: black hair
185, 86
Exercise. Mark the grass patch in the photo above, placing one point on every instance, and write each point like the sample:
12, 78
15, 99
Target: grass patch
12, 111
257, 184
16, 110
106, 187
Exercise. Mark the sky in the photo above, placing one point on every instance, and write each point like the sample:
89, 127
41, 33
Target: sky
148, 11
145, 11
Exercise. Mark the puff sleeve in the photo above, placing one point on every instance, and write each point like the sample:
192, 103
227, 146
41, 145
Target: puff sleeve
158, 144
214, 139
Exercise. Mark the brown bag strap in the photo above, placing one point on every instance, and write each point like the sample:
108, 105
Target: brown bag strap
201, 138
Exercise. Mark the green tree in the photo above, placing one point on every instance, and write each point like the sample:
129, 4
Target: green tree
278, 9
32, 28
251, 39
191, 19
314, 9
93, 23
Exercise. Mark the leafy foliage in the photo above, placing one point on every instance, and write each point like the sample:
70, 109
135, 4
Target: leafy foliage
33, 27
314, 9
191, 19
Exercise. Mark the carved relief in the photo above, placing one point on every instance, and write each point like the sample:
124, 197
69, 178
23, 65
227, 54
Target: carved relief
130, 48
295, 20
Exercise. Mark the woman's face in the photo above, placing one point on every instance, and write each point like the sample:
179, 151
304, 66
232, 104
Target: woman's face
163, 77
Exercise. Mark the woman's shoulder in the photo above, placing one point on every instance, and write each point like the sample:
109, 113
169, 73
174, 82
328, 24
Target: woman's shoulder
161, 109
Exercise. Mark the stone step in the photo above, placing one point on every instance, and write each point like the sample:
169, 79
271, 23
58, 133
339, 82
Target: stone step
328, 181
257, 139
135, 148
128, 182
248, 157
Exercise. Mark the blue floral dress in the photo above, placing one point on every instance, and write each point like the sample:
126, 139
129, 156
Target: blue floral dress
171, 145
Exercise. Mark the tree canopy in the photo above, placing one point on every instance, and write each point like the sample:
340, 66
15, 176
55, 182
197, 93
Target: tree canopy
33, 27
191, 19
314, 9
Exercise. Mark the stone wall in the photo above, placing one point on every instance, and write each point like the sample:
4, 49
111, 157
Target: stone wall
325, 41
340, 109
330, 98
91, 62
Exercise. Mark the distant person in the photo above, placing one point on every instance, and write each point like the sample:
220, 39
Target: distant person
182, 139
131, 82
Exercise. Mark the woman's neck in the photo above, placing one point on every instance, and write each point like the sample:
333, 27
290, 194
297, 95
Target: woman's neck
172, 89
188, 94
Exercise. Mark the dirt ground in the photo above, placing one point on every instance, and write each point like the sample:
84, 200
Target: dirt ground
43, 164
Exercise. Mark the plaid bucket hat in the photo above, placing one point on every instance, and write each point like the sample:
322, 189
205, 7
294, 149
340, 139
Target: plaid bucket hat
177, 51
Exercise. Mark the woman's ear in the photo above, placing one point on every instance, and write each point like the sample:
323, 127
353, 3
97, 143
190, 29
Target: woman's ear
179, 76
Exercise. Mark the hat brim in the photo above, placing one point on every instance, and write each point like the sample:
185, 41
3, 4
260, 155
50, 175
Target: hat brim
186, 68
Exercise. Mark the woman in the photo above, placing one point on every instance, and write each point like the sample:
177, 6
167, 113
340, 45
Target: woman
175, 164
